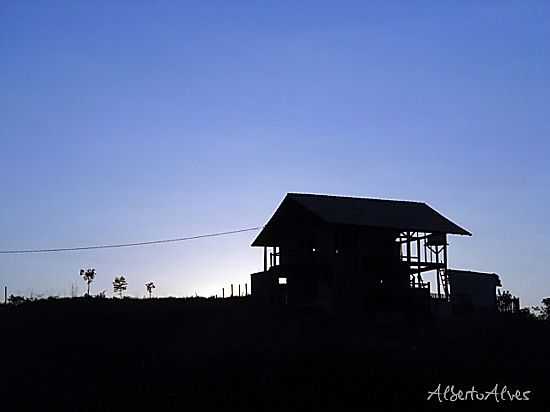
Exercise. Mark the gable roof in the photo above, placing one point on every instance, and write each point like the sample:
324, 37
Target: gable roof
398, 215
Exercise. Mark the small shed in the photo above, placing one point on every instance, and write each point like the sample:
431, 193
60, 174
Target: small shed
475, 290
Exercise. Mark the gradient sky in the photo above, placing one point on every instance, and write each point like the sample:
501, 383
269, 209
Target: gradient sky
128, 121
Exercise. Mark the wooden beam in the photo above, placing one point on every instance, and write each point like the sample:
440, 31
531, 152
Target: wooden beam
404, 240
426, 268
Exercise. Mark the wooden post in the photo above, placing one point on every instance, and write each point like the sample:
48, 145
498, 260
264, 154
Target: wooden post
246, 289
425, 251
5, 295
409, 253
265, 258
446, 285
239, 289
418, 255
437, 271
232, 290
223, 293
408, 245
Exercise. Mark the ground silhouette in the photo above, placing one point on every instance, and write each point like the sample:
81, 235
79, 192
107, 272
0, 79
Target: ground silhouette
97, 354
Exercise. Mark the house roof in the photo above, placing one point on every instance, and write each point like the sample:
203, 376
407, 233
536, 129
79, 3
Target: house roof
376, 213
471, 274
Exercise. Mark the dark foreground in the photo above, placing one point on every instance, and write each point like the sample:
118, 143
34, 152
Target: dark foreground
168, 354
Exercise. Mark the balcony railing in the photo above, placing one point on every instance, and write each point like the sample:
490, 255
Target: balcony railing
419, 285
441, 297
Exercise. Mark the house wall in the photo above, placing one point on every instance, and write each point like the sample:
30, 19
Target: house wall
342, 265
475, 290
265, 288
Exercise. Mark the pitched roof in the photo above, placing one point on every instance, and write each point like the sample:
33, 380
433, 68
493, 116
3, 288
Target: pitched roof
377, 213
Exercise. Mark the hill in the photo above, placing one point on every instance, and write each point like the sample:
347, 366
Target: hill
172, 354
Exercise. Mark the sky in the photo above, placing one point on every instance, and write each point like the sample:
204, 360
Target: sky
134, 120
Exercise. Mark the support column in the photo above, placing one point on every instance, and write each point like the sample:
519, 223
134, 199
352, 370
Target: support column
446, 278
437, 271
418, 256
409, 252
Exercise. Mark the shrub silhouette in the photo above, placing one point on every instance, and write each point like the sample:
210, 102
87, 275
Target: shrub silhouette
16, 300
544, 310
504, 301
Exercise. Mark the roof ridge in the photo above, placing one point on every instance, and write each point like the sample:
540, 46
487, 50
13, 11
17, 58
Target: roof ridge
387, 214
291, 194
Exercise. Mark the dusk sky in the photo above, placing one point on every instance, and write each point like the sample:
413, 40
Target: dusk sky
131, 121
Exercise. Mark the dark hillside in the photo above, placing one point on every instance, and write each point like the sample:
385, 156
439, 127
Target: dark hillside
159, 354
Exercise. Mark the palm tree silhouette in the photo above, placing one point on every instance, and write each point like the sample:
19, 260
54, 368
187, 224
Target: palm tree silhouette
88, 276
150, 286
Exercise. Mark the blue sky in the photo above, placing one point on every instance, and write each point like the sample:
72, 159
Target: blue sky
136, 121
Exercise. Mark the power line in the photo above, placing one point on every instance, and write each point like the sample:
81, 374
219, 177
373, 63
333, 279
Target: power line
150, 242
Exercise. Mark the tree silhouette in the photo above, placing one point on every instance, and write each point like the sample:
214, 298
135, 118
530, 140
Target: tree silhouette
120, 285
88, 276
544, 310
150, 286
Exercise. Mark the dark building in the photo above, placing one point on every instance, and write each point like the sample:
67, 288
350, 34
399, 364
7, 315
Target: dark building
475, 290
356, 252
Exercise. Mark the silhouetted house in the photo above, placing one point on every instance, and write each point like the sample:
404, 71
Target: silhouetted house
474, 290
358, 252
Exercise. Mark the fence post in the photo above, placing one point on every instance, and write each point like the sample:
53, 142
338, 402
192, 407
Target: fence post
239, 289
5, 295
246, 289
232, 290
223, 293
